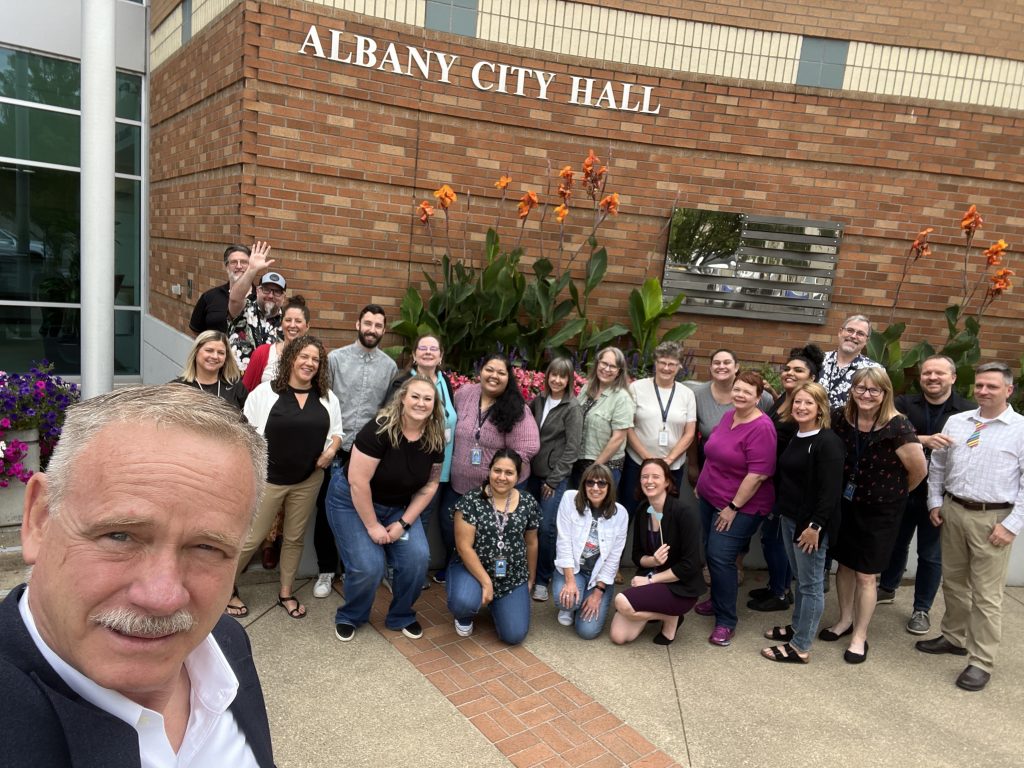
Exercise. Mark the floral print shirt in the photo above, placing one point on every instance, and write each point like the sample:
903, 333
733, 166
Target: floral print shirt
480, 513
251, 329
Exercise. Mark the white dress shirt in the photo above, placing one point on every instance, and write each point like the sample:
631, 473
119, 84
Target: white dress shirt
992, 472
212, 736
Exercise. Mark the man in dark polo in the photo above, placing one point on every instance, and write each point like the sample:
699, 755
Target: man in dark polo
117, 652
976, 493
928, 412
211, 311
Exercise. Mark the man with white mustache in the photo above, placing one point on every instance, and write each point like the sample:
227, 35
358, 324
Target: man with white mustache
117, 652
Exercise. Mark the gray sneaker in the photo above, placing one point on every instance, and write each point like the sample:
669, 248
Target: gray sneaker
540, 593
919, 623
885, 596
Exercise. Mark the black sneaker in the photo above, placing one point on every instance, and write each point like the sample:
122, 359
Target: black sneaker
344, 632
771, 603
413, 631
886, 596
760, 593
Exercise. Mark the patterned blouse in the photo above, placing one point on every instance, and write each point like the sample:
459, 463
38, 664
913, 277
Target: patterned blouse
251, 329
480, 513
879, 475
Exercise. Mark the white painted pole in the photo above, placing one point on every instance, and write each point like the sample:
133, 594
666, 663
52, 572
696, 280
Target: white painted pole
99, 87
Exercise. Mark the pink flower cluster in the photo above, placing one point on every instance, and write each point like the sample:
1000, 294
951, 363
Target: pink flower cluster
11, 455
530, 383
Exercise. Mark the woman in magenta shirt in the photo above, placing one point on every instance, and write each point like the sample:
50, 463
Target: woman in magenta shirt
736, 492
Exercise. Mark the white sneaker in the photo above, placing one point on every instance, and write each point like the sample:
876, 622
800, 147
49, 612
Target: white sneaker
565, 618
540, 593
322, 588
463, 630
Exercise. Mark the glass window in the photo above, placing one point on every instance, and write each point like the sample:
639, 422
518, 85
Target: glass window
457, 16
127, 241
128, 149
41, 79
34, 334
39, 230
822, 62
129, 96
27, 133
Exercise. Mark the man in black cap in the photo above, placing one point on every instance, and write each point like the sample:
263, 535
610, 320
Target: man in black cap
255, 318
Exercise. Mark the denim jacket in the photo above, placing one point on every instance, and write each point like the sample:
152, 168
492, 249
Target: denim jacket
573, 530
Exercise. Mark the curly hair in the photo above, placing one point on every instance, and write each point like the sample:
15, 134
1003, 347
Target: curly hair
229, 372
389, 419
509, 407
321, 382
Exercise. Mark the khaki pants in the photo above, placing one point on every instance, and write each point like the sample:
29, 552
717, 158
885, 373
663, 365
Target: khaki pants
298, 502
973, 577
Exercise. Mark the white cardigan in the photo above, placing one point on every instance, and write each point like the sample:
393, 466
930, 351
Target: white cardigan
573, 530
262, 399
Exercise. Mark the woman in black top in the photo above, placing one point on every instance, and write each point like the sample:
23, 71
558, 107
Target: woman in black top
374, 507
211, 367
808, 486
666, 550
301, 420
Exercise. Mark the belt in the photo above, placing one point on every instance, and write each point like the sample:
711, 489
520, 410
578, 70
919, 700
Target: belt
980, 506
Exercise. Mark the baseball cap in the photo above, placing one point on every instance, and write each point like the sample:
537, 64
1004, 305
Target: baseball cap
274, 278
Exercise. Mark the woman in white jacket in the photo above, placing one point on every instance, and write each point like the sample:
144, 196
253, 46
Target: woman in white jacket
591, 536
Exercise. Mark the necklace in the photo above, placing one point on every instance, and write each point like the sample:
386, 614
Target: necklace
204, 389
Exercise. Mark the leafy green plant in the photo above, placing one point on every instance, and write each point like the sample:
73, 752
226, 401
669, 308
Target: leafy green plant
647, 310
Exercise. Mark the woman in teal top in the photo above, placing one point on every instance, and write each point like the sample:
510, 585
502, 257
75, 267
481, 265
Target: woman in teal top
608, 409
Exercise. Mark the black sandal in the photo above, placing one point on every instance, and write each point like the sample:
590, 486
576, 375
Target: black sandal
236, 611
784, 653
780, 634
293, 612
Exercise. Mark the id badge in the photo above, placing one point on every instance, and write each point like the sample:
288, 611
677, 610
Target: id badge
476, 456
501, 568
663, 439
448, 434
849, 490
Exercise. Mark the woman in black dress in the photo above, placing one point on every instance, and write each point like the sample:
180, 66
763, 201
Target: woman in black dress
884, 462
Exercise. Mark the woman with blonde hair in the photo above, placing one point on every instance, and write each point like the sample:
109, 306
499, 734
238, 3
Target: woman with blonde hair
211, 367
808, 488
374, 507
884, 462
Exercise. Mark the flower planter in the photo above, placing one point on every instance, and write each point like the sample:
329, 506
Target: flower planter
13, 496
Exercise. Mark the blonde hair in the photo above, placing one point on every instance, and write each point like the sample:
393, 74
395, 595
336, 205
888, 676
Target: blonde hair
389, 419
820, 397
229, 371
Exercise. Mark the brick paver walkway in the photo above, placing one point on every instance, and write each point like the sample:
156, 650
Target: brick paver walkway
527, 710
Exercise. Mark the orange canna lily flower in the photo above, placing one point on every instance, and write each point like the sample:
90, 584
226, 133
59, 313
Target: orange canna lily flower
425, 211
503, 182
566, 173
995, 253
610, 204
971, 220
564, 192
527, 203
445, 196
589, 162
561, 212
920, 247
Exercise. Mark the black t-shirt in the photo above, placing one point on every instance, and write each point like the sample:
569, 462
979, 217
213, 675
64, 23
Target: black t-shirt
211, 311
403, 469
295, 437
233, 394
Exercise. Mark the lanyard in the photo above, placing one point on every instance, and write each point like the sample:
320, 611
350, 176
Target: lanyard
664, 408
501, 520
481, 417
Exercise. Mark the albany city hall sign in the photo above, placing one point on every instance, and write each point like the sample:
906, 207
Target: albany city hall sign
407, 60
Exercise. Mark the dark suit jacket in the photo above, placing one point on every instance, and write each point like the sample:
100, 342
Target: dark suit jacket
560, 439
915, 408
680, 529
45, 724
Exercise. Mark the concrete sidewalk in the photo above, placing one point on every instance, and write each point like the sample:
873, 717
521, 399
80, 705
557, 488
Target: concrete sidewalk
383, 700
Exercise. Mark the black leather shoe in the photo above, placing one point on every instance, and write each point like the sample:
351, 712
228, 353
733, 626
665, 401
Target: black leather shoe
973, 678
770, 603
939, 645
856, 658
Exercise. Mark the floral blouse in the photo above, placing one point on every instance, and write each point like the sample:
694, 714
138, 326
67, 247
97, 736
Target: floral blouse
879, 475
480, 513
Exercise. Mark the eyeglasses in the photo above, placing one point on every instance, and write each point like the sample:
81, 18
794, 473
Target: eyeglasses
273, 291
860, 389
608, 366
668, 363
428, 349
597, 483
855, 334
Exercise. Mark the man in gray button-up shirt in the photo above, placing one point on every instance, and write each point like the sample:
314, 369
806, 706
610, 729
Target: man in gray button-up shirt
361, 376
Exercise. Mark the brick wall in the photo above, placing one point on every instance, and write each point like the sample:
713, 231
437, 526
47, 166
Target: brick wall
976, 28
327, 161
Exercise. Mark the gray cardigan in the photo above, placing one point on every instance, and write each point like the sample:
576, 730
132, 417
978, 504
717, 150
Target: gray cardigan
560, 438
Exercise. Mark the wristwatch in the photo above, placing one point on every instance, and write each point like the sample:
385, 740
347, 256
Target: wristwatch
405, 526
733, 507
814, 527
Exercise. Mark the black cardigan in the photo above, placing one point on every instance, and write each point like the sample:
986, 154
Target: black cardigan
680, 529
813, 492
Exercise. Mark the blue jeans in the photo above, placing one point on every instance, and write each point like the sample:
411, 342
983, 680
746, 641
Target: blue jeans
721, 548
588, 630
779, 574
929, 554
365, 561
511, 612
547, 535
446, 512
809, 601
